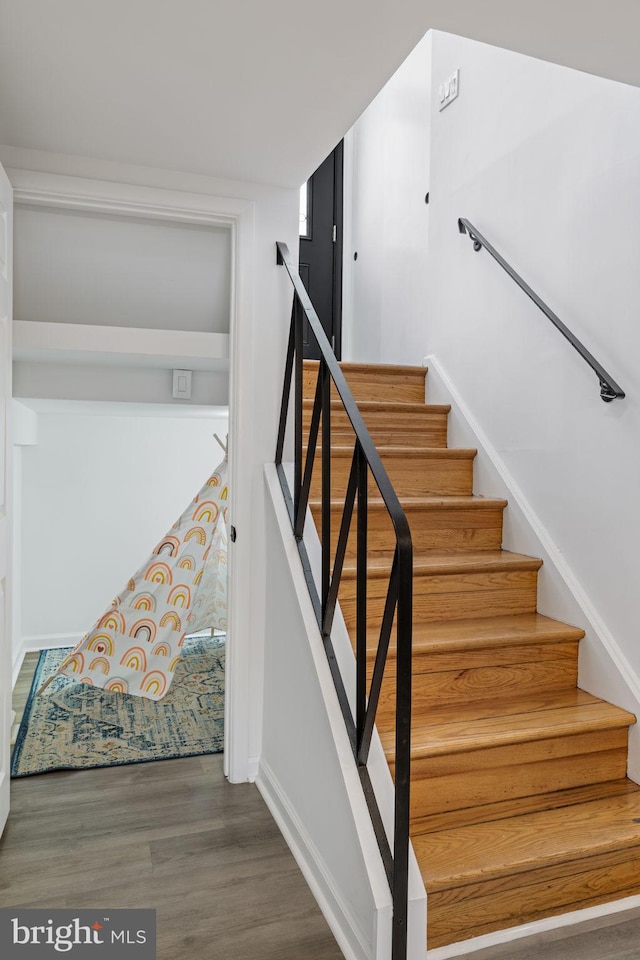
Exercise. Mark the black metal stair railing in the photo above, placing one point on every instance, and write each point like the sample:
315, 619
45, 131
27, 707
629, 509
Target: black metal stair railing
609, 389
399, 598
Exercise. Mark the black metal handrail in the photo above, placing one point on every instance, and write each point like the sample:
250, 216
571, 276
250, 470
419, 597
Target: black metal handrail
399, 599
609, 389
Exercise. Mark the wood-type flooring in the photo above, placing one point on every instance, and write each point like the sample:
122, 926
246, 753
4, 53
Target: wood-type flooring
172, 835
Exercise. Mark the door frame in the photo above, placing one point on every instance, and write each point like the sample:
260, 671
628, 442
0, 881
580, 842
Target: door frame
238, 215
6, 510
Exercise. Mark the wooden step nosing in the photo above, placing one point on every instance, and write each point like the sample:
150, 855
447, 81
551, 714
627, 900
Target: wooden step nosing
406, 453
513, 736
359, 366
463, 565
552, 859
426, 504
409, 407
423, 648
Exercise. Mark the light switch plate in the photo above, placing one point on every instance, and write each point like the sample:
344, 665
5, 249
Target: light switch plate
448, 91
182, 384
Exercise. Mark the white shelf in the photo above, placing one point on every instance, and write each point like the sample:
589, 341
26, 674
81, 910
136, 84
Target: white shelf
119, 346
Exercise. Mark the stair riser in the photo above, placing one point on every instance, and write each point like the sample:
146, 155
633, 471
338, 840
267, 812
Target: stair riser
531, 670
410, 476
443, 530
451, 596
479, 908
388, 385
495, 774
387, 428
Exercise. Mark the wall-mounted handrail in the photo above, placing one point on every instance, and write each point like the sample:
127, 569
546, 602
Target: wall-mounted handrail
366, 461
609, 389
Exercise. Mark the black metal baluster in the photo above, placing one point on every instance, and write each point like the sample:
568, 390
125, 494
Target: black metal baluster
400, 890
341, 548
311, 453
326, 484
381, 659
297, 466
361, 596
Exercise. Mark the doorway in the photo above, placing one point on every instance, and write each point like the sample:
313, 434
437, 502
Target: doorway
320, 255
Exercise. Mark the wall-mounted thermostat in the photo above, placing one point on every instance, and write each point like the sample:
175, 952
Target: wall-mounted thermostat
182, 384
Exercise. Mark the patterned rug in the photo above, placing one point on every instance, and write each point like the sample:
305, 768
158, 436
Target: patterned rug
74, 726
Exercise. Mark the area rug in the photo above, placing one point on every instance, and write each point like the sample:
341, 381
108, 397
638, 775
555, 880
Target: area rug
73, 726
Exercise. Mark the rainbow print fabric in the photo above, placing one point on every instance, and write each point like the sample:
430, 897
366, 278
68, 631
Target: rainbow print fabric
182, 589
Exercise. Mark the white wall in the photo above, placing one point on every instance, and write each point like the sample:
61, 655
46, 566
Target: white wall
98, 491
385, 287
123, 383
76, 266
544, 161
307, 772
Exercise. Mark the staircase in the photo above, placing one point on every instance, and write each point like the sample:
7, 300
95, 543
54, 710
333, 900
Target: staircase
520, 805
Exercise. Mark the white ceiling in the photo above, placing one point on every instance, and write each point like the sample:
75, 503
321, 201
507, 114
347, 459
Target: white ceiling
252, 89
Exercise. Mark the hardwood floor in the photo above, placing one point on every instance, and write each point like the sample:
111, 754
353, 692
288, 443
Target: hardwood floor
172, 835
608, 938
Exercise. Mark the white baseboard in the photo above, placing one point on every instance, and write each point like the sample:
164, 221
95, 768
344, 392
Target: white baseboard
46, 641
35, 643
253, 769
575, 918
336, 912
17, 667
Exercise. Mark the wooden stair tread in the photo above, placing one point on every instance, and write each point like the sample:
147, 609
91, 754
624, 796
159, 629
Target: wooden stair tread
480, 725
449, 636
407, 453
358, 367
425, 503
482, 561
391, 406
513, 845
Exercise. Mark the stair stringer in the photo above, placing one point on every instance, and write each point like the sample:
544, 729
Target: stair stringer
307, 774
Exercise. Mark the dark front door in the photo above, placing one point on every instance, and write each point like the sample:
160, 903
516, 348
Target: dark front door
321, 250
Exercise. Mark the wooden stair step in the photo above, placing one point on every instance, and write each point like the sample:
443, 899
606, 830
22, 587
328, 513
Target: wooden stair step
475, 663
373, 381
445, 563
448, 820
495, 874
413, 471
438, 524
452, 819
487, 753
451, 637
514, 720
451, 586
515, 844
389, 422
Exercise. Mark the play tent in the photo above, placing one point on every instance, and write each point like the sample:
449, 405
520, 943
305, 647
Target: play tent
181, 589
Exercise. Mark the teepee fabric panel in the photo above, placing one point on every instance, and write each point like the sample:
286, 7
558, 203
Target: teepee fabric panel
135, 646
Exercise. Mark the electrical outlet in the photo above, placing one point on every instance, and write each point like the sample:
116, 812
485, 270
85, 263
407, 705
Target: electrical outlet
448, 91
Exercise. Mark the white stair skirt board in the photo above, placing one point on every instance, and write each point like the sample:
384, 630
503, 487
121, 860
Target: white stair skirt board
604, 670
335, 910
346, 929
575, 918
